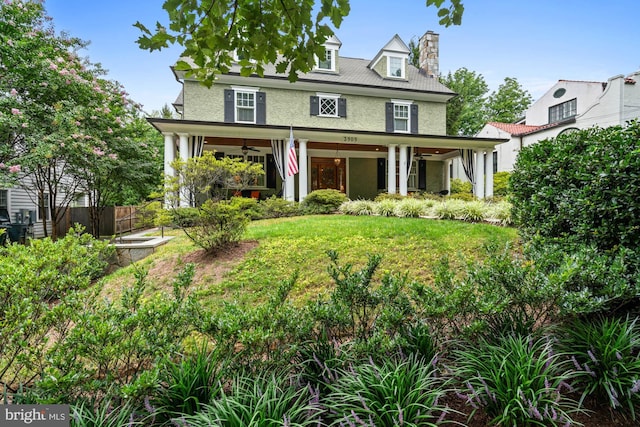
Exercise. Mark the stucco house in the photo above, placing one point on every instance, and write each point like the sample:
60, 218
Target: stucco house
566, 106
362, 126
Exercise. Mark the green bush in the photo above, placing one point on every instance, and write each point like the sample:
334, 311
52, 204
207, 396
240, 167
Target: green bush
501, 183
216, 226
277, 207
385, 207
581, 187
40, 285
147, 214
459, 186
518, 381
388, 196
606, 356
323, 201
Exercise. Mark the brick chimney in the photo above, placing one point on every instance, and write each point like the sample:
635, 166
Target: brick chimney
429, 54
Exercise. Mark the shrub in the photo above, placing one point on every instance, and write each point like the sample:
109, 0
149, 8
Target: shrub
249, 206
459, 186
323, 201
39, 285
474, 211
501, 211
357, 207
410, 208
501, 183
580, 188
606, 356
385, 207
449, 209
517, 381
218, 225
104, 413
404, 392
147, 214
277, 207
388, 196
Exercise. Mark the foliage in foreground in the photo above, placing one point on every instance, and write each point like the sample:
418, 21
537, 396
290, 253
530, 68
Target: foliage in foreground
517, 380
606, 357
39, 283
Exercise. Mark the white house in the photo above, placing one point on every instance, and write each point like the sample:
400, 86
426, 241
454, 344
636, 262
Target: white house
568, 105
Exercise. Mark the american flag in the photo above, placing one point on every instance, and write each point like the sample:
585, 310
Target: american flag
292, 160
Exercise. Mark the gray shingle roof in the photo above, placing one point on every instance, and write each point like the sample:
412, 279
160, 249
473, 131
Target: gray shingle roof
355, 72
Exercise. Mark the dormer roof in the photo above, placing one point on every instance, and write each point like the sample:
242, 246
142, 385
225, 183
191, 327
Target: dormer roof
333, 42
394, 46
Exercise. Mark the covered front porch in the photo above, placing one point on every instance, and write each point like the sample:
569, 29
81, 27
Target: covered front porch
360, 164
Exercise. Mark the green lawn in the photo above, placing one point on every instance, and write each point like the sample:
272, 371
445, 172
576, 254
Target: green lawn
409, 246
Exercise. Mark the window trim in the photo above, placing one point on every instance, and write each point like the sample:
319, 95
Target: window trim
45, 200
402, 67
560, 106
253, 91
404, 103
332, 60
328, 96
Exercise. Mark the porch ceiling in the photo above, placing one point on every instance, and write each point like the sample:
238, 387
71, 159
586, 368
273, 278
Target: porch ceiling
235, 133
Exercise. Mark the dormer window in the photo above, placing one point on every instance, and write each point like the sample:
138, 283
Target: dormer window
395, 67
327, 62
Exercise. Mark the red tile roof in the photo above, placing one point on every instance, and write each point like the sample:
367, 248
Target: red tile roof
513, 128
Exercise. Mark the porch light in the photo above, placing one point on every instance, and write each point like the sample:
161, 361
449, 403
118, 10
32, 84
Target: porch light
336, 161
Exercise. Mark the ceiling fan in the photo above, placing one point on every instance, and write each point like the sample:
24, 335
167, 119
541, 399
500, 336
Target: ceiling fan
246, 149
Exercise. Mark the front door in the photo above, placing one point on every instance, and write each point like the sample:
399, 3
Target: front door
328, 173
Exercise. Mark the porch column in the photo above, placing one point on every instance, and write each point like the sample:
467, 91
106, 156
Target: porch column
489, 177
403, 170
391, 170
289, 181
169, 157
479, 174
447, 176
184, 156
303, 176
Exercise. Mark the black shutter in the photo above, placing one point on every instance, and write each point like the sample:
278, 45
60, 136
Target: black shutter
271, 171
261, 108
382, 174
422, 174
315, 105
342, 107
388, 116
229, 106
414, 118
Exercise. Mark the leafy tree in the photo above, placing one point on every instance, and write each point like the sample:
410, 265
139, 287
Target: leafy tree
466, 112
509, 102
285, 33
62, 126
414, 53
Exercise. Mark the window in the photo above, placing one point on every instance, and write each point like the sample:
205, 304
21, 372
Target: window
4, 199
401, 117
563, 111
79, 200
245, 107
244, 104
396, 66
495, 162
328, 62
328, 105
43, 207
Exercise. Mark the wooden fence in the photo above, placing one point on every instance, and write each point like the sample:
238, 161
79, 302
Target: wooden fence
114, 220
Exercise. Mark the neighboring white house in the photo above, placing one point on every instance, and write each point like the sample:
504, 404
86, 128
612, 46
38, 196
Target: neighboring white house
22, 207
566, 106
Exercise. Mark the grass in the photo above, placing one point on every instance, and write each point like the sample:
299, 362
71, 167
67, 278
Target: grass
287, 246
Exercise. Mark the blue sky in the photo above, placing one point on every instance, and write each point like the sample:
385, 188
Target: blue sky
536, 41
